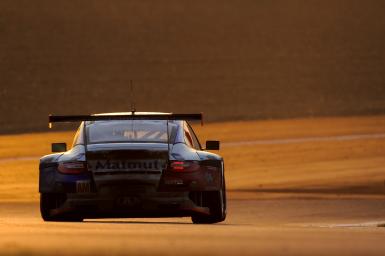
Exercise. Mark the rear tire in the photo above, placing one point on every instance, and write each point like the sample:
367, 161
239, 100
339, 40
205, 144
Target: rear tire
51, 201
216, 202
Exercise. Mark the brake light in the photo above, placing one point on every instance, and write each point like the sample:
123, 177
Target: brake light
177, 166
74, 167
184, 166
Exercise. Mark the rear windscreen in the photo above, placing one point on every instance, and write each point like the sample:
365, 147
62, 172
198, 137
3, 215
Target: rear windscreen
140, 131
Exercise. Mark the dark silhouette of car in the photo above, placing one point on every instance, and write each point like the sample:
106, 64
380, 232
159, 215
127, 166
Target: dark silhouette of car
132, 164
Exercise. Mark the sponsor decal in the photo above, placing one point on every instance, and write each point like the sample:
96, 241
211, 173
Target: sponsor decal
83, 186
209, 177
173, 182
129, 165
127, 201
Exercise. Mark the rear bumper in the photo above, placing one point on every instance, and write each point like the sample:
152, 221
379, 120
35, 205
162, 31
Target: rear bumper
160, 204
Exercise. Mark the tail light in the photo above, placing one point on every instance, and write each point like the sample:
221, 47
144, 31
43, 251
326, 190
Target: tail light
184, 166
74, 167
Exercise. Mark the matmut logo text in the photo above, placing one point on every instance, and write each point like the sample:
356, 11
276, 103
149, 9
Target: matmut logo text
128, 165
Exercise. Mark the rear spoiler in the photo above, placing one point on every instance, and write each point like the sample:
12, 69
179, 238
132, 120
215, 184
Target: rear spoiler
80, 118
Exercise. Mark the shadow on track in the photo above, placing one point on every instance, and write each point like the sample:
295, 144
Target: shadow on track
152, 222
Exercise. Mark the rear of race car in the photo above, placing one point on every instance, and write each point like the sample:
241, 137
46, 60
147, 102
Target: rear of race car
129, 169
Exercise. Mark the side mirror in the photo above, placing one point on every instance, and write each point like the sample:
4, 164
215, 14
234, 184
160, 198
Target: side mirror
58, 147
212, 145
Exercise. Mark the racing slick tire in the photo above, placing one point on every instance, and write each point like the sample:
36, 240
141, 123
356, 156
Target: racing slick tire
216, 202
51, 201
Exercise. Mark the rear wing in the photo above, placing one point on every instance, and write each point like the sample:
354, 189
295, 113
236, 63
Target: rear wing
80, 118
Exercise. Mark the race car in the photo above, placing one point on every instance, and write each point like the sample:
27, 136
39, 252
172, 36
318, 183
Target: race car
132, 164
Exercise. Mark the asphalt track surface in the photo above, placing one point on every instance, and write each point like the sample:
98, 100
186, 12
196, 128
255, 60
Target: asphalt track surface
254, 227
258, 223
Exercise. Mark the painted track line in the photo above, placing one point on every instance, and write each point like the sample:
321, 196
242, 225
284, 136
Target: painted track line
306, 139
373, 224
